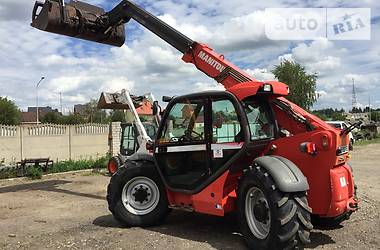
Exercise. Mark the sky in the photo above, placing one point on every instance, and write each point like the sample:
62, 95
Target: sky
81, 70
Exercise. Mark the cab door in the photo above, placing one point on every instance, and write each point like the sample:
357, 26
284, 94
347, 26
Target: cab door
241, 131
181, 149
128, 143
227, 132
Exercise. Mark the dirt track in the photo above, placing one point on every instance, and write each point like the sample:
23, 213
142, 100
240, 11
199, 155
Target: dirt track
69, 211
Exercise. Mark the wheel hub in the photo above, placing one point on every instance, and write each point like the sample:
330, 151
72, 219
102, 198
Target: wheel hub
261, 211
141, 194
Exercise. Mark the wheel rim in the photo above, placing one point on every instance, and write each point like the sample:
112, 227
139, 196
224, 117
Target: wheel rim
140, 195
257, 213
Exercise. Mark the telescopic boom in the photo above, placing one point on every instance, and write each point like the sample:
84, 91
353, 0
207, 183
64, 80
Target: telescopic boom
81, 20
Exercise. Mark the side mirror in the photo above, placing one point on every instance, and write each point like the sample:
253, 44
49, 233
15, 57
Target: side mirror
167, 98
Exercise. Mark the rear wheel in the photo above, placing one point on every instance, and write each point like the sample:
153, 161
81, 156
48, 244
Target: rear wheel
269, 218
136, 195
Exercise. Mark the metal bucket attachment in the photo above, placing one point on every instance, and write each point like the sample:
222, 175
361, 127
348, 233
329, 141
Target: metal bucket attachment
76, 19
118, 101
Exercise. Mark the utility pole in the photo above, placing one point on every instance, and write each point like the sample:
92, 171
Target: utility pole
369, 107
354, 101
38, 84
60, 102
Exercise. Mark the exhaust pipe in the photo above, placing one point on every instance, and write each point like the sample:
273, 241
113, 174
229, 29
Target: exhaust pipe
76, 19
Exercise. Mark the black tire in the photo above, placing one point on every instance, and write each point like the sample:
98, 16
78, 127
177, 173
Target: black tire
289, 223
128, 173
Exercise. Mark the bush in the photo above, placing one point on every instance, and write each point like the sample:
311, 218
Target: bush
70, 165
7, 172
34, 172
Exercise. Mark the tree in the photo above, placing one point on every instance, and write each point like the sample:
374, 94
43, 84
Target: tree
375, 116
321, 115
51, 117
72, 119
338, 116
117, 116
93, 114
9, 112
330, 114
302, 85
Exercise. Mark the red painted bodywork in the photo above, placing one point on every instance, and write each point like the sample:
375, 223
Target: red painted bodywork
211, 200
330, 179
324, 169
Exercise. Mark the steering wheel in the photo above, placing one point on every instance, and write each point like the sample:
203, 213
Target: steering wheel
188, 136
198, 135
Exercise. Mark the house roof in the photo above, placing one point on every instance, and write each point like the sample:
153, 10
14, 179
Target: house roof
28, 117
145, 108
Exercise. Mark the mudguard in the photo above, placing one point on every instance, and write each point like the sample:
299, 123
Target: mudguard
287, 176
141, 157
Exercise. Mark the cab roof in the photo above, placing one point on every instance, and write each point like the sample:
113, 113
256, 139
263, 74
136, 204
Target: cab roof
245, 89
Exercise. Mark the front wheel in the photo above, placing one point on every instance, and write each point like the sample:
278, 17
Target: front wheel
136, 195
269, 218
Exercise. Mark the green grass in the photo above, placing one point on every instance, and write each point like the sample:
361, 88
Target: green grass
367, 142
65, 166
35, 172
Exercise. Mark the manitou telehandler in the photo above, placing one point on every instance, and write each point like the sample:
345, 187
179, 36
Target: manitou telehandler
246, 149
135, 134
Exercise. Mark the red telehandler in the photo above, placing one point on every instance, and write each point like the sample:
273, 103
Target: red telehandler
246, 149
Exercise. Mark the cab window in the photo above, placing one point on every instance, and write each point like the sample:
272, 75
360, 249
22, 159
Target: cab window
185, 123
129, 139
225, 122
260, 125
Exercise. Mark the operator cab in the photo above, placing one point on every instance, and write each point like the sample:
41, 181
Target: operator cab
129, 143
204, 134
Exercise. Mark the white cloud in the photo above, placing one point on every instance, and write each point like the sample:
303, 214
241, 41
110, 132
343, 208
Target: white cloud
116, 84
81, 70
319, 56
205, 86
261, 74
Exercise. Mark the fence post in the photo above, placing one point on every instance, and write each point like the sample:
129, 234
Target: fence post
21, 129
69, 127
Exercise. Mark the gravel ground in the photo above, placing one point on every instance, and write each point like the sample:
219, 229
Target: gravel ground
69, 212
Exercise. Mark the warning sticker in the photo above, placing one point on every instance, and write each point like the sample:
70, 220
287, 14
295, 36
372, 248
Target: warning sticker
218, 153
343, 182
